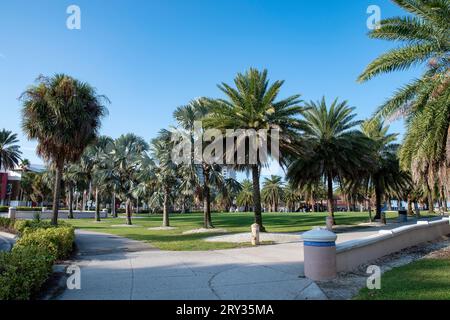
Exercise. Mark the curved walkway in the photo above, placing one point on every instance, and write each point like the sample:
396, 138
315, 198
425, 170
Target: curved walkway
118, 268
7, 240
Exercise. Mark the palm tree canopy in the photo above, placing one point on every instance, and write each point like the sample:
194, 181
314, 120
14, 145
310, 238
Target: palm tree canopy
336, 148
253, 104
9, 150
63, 114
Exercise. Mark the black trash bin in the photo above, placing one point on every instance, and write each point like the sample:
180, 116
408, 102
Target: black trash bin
402, 216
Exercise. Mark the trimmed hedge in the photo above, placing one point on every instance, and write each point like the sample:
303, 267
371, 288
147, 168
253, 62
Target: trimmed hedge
4, 209
58, 241
26, 268
23, 271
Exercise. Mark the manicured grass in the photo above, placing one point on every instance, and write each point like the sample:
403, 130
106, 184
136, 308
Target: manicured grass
427, 279
232, 222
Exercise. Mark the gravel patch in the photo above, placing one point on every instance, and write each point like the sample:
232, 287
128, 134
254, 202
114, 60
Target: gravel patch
162, 228
247, 236
348, 284
203, 230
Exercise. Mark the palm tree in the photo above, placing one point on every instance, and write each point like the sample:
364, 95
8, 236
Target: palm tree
122, 167
272, 192
424, 35
336, 148
385, 175
93, 162
228, 193
9, 150
63, 115
291, 196
165, 170
253, 105
198, 177
245, 196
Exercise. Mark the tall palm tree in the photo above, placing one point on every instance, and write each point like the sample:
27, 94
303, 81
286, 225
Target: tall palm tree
9, 150
253, 105
63, 114
199, 177
165, 170
245, 196
336, 148
272, 192
424, 102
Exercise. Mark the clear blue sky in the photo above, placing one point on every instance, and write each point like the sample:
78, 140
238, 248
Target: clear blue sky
151, 56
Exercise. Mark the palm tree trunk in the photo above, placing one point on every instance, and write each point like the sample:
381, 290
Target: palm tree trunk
444, 200
378, 201
56, 191
410, 206
257, 198
128, 211
207, 223
430, 199
97, 206
330, 198
70, 202
113, 205
166, 222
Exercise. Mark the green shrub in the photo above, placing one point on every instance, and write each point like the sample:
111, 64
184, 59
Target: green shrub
29, 209
22, 226
4, 209
57, 240
23, 271
5, 223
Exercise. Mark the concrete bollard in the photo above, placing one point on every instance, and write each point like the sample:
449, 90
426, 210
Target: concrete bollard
105, 213
12, 213
44, 209
255, 234
320, 254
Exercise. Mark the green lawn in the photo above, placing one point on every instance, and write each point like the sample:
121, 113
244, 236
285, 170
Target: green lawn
232, 222
427, 279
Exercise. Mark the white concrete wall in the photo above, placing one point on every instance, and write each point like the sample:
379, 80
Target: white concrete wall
26, 215
353, 253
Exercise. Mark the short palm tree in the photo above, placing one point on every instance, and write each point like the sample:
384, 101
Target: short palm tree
63, 115
291, 196
9, 150
122, 167
272, 192
253, 105
385, 176
336, 148
245, 196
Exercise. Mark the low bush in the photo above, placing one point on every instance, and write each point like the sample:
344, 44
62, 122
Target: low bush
29, 208
4, 209
58, 241
23, 271
6, 223
29, 264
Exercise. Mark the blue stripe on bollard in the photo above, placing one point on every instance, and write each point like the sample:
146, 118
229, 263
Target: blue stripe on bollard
319, 244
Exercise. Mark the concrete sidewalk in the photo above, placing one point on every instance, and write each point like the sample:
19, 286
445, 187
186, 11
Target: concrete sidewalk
113, 267
7, 241
118, 268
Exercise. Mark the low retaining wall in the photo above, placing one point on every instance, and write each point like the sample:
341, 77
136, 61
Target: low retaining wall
352, 254
26, 215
